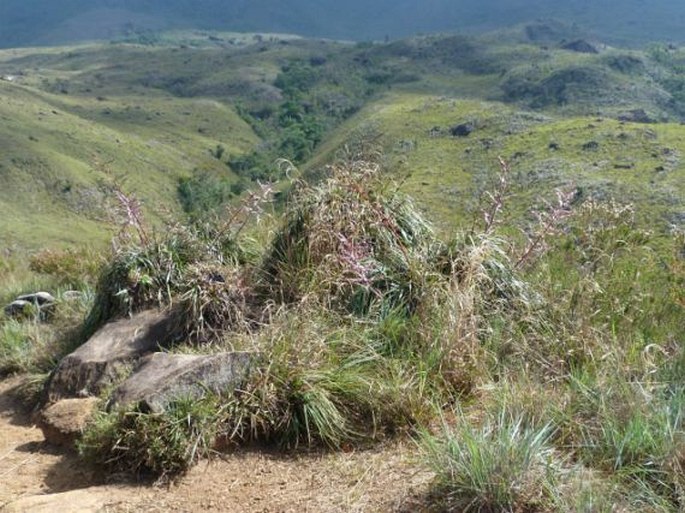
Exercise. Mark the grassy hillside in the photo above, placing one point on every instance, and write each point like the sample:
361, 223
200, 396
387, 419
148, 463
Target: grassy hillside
217, 109
603, 158
63, 151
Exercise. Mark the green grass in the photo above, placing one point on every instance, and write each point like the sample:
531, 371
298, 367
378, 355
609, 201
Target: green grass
446, 175
73, 122
501, 466
562, 354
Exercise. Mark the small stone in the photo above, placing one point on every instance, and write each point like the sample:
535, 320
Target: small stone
38, 298
462, 130
19, 308
63, 421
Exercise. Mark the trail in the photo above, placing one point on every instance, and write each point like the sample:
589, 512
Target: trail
36, 477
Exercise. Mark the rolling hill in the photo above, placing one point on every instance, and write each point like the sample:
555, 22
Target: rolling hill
219, 108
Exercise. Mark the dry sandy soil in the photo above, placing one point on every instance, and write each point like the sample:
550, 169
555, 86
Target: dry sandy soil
36, 477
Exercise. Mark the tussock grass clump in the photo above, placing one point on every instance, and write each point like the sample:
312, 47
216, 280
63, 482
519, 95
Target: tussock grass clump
637, 431
216, 300
155, 269
353, 244
502, 466
163, 445
143, 274
324, 382
361, 317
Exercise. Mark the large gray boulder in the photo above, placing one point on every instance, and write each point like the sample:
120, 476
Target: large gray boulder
161, 378
109, 355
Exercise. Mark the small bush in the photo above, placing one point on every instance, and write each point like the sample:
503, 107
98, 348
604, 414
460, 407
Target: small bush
73, 268
163, 445
204, 194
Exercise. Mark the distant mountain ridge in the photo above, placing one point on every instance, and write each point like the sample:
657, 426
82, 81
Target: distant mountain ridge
37, 22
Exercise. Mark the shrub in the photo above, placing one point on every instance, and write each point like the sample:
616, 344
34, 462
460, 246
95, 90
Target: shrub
74, 268
204, 194
164, 444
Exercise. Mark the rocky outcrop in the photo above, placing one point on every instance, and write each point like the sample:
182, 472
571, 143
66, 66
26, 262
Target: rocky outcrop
109, 355
580, 46
40, 303
120, 364
161, 378
462, 130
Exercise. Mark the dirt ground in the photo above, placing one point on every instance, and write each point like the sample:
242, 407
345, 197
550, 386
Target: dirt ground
36, 477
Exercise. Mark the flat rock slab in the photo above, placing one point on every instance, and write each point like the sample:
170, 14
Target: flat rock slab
109, 354
63, 422
162, 378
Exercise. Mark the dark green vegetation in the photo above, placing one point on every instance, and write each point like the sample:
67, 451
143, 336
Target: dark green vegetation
33, 22
531, 340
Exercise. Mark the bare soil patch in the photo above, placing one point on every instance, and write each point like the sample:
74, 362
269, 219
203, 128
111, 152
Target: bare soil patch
35, 476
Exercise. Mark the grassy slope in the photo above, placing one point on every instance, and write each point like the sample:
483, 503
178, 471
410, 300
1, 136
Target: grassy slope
75, 117
57, 149
639, 163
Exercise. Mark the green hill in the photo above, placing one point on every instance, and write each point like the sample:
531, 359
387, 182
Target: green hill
603, 158
219, 108
61, 152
